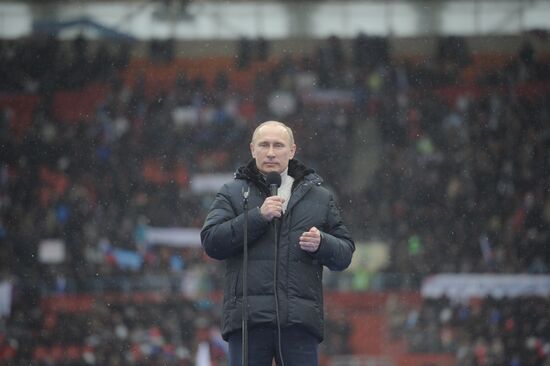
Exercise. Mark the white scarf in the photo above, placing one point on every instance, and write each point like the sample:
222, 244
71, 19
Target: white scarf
285, 190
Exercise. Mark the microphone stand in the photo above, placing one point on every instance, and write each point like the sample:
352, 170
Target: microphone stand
245, 281
274, 183
275, 224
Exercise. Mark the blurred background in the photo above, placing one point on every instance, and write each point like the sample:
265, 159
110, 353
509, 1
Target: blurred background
429, 120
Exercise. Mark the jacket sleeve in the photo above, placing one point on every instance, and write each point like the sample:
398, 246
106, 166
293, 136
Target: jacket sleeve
337, 246
222, 234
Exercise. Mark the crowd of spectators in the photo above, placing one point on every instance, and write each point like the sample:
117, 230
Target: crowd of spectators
159, 330
93, 184
43, 64
482, 332
142, 329
460, 186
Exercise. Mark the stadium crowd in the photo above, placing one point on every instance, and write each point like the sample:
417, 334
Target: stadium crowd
462, 187
461, 184
482, 332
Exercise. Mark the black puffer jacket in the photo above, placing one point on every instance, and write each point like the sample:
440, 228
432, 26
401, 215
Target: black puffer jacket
298, 274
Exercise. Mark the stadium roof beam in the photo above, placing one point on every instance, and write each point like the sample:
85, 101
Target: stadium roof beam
215, 19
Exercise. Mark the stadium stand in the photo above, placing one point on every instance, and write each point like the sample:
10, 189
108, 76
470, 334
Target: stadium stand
99, 147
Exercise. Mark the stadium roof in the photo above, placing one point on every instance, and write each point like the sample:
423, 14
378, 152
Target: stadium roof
216, 19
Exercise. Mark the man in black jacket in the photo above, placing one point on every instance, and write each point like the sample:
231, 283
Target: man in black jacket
285, 295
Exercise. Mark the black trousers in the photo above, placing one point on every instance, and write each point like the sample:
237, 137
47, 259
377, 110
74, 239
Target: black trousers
298, 347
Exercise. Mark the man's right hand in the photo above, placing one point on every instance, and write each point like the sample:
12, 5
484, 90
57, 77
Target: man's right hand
272, 207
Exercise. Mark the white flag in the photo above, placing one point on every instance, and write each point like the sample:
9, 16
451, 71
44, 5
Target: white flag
203, 355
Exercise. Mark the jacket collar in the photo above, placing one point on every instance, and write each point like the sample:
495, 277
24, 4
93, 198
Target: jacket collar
296, 170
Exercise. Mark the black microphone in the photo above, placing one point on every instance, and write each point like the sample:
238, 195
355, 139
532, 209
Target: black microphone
273, 180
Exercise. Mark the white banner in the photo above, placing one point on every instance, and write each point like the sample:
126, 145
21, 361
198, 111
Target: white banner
5, 298
51, 251
465, 286
176, 237
205, 183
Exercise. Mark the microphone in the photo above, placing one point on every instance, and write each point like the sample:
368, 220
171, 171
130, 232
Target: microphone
273, 180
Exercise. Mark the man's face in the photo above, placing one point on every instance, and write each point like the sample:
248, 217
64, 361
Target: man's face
272, 149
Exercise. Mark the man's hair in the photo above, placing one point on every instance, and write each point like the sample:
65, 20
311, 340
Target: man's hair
288, 130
